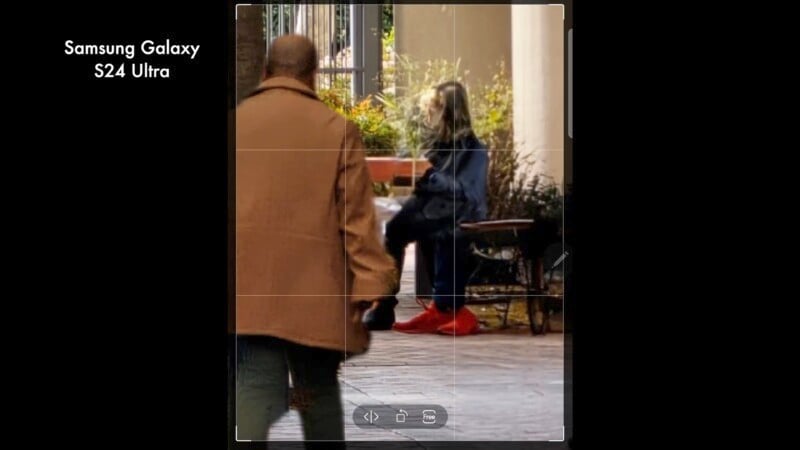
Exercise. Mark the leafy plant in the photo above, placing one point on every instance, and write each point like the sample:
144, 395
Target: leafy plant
388, 39
378, 135
514, 193
410, 83
336, 97
491, 106
543, 199
381, 189
387, 15
504, 186
386, 77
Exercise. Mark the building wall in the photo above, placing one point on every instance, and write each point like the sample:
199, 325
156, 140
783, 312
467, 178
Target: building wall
480, 35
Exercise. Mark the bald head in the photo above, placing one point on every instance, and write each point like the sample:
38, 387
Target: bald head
294, 56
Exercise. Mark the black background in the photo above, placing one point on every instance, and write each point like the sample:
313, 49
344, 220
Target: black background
121, 190
125, 207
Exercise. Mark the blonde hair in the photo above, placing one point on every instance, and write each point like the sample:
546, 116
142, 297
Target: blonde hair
426, 98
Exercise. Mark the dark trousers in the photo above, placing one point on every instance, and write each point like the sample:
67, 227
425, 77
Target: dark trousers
262, 388
449, 254
450, 277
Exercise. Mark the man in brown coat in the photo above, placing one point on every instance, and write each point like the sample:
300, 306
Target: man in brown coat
308, 259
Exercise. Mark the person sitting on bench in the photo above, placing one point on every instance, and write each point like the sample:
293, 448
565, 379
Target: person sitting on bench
452, 191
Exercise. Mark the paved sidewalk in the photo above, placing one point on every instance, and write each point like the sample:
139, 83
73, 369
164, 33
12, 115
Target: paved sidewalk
498, 385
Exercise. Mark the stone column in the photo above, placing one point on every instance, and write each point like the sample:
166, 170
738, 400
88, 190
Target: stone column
537, 46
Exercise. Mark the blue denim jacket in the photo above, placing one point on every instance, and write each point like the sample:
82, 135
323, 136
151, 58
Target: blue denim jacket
459, 171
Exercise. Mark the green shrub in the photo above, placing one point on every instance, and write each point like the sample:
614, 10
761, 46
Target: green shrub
378, 135
410, 81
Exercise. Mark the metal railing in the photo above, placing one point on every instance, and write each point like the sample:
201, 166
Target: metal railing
347, 37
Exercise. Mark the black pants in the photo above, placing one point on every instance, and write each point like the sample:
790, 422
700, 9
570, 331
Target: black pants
448, 254
262, 388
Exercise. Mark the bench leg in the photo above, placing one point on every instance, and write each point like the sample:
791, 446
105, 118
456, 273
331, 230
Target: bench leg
531, 315
505, 315
534, 306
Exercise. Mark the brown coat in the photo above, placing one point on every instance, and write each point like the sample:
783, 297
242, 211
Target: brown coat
306, 244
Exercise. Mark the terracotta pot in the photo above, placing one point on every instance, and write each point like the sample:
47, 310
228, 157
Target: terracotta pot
409, 167
381, 168
387, 168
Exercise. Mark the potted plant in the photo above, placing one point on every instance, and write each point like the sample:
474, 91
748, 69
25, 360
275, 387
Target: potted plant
380, 139
379, 135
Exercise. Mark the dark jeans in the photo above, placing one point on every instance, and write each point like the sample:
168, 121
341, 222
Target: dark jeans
450, 277
262, 388
448, 253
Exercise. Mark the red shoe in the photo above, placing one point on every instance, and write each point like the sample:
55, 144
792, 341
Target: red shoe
427, 321
465, 323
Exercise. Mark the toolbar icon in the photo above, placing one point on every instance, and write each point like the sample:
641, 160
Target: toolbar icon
371, 417
401, 416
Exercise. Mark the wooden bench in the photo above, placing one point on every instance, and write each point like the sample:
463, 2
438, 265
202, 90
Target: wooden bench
504, 271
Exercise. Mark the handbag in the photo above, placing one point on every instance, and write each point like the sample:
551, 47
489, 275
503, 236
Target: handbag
440, 207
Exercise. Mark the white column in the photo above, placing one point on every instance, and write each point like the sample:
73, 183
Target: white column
537, 48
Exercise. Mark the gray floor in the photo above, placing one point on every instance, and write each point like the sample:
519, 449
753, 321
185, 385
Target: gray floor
500, 385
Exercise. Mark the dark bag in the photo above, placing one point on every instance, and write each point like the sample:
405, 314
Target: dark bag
441, 207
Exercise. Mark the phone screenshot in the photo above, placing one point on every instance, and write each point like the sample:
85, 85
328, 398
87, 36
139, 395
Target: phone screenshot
402, 221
